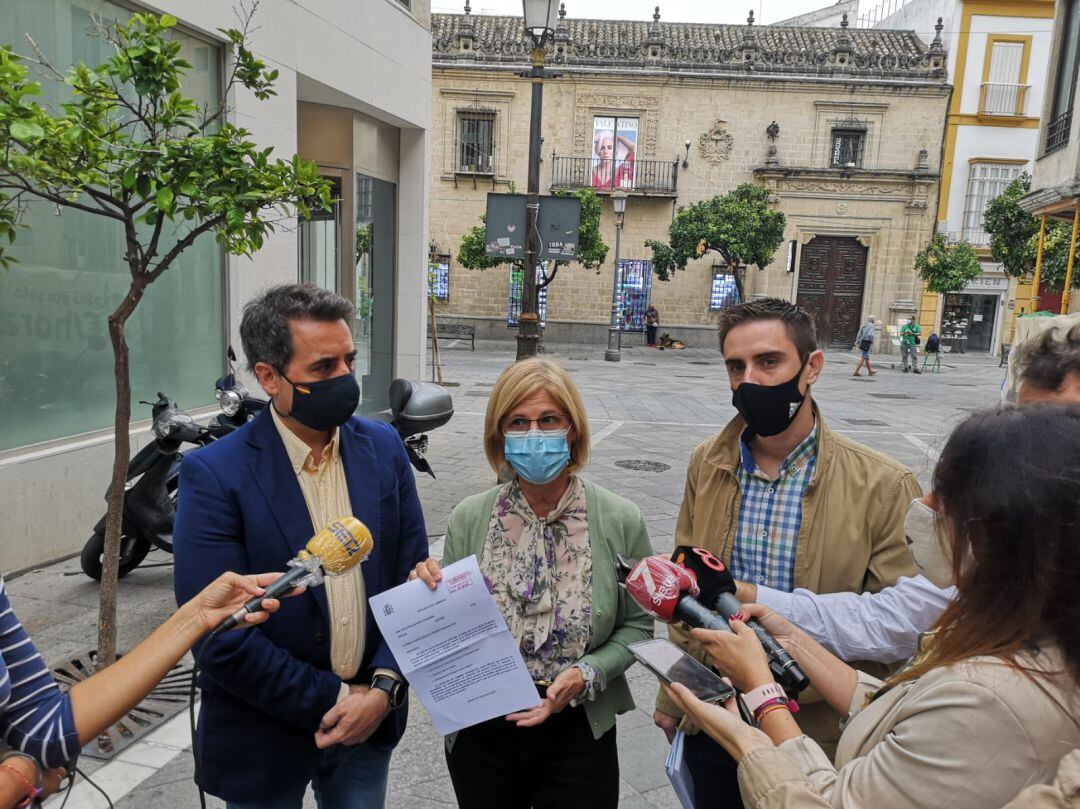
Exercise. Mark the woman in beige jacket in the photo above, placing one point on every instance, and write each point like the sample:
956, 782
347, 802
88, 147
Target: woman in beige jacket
992, 704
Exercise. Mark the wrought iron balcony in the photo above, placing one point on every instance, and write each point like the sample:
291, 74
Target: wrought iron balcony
1057, 132
1003, 99
645, 177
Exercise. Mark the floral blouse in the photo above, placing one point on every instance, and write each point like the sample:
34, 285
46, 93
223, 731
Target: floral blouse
539, 571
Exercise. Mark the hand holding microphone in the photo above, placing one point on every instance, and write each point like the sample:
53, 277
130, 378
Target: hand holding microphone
336, 549
718, 593
666, 591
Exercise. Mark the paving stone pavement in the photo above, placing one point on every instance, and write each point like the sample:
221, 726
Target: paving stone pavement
653, 406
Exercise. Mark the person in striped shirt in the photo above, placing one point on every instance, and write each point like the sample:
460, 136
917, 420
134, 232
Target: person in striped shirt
43, 730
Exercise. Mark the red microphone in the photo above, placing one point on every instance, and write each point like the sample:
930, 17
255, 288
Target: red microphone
666, 591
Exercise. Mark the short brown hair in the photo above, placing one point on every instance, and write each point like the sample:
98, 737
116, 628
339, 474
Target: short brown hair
797, 321
523, 379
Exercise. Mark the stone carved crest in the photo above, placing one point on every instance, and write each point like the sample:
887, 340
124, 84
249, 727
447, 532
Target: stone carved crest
715, 145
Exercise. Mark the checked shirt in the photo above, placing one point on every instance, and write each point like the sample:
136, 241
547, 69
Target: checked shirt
770, 515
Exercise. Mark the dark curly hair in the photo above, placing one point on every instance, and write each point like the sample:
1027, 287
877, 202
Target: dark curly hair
1049, 358
264, 327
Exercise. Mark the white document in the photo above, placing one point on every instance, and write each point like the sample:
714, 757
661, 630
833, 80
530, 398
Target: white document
678, 773
453, 646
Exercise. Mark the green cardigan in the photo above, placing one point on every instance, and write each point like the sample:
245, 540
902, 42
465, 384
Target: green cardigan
615, 526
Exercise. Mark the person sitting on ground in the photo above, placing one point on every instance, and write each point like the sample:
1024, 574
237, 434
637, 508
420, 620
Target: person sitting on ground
46, 729
885, 626
546, 540
992, 704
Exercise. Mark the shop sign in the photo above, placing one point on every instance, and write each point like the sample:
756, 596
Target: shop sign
988, 283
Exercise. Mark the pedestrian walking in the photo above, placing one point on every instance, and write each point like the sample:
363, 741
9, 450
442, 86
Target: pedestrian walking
864, 341
909, 346
652, 323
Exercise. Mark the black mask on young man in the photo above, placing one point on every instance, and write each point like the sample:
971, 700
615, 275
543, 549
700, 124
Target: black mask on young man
324, 405
770, 409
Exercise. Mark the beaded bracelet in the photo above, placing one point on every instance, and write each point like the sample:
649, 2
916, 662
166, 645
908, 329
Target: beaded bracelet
779, 706
769, 703
32, 792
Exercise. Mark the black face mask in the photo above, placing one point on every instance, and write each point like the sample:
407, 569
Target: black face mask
770, 409
324, 405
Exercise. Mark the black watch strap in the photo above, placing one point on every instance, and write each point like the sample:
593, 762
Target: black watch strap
394, 688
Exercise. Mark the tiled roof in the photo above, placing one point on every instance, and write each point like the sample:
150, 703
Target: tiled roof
696, 47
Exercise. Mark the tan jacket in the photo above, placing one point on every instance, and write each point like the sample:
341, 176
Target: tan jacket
969, 736
851, 538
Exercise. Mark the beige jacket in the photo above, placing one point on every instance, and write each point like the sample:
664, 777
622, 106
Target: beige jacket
851, 538
969, 736
770, 779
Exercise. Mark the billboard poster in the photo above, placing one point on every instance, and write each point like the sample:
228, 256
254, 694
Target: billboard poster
614, 152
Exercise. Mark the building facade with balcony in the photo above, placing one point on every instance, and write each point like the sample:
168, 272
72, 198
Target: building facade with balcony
998, 54
1055, 181
842, 126
354, 95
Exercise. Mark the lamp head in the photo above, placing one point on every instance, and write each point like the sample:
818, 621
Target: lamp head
541, 17
618, 202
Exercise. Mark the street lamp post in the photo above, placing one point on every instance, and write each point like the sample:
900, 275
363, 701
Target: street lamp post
540, 17
614, 341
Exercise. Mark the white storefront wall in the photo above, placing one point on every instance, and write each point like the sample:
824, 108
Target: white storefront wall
375, 56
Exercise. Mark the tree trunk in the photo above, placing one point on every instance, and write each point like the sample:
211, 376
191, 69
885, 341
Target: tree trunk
106, 649
740, 282
436, 357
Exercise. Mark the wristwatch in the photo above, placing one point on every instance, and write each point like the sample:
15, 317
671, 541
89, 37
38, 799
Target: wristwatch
394, 688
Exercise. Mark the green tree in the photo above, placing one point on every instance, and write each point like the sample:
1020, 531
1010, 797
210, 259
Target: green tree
1011, 229
740, 226
947, 267
1014, 238
129, 146
591, 247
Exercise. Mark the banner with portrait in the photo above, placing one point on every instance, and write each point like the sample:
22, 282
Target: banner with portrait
614, 152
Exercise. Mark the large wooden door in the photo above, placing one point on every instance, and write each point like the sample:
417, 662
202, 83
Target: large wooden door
832, 274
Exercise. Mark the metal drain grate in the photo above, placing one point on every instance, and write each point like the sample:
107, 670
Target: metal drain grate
169, 697
477, 393
483, 384
643, 466
688, 376
961, 384
867, 422
638, 362
890, 396
700, 362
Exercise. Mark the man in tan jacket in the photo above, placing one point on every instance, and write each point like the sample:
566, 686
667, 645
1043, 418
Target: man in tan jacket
785, 502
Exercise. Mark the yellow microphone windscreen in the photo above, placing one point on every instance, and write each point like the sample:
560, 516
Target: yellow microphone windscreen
341, 545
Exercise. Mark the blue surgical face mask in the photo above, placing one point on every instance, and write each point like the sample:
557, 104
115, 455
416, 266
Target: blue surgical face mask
538, 456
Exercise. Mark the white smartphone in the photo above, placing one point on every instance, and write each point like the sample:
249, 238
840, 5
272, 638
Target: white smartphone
672, 665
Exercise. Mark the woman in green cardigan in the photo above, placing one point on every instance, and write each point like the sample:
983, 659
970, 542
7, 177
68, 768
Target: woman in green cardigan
546, 542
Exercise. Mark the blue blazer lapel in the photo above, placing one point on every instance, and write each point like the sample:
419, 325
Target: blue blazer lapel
363, 475
274, 475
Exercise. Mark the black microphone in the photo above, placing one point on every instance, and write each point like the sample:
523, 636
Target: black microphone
658, 587
718, 591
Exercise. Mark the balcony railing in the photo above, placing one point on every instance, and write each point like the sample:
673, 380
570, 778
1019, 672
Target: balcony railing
1057, 132
646, 177
1003, 99
976, 237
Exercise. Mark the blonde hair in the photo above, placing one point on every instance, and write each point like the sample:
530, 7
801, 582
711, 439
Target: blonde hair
520, 381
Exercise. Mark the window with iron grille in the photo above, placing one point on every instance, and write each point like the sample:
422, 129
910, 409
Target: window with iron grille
847, 147
439, 277
724, 292
513, 309
985, 181
476, 142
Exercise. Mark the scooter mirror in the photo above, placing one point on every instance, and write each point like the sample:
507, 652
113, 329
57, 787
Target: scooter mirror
418, 407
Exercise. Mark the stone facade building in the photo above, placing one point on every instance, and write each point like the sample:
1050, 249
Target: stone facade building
843, 126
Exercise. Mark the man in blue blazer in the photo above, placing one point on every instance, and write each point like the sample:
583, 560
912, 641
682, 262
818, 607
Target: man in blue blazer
312, 696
